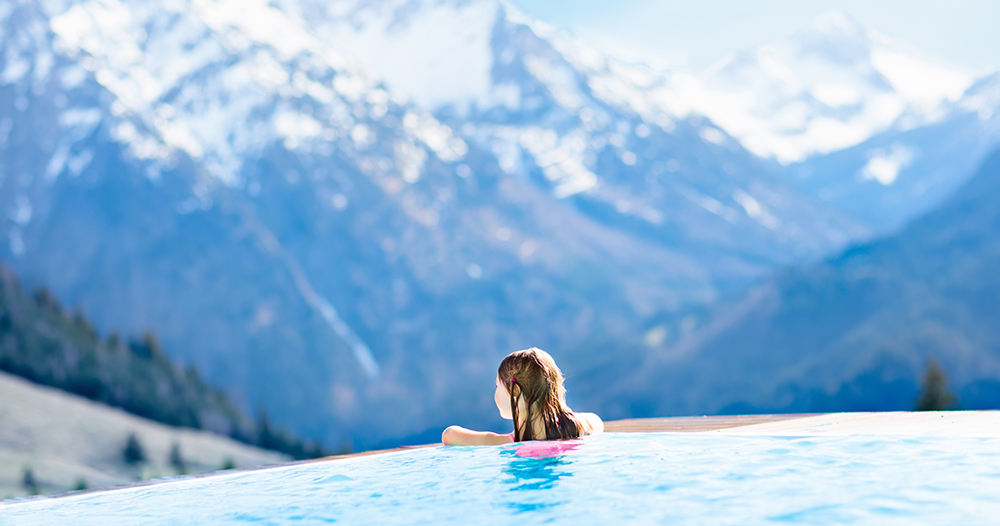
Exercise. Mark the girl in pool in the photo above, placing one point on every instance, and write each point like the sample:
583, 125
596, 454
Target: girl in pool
530, 392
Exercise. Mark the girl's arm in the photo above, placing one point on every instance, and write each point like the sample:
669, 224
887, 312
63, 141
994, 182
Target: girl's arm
460, 436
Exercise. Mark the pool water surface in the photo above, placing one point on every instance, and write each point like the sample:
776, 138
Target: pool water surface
638, 478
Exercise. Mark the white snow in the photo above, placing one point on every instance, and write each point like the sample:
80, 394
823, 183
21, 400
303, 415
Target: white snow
884, 164
708, 203
712, 135
917, 80
17, 68
560, 80
836, 95
437, 56
756, 210
560, 158
22, 211
202, 75
16, 241
440, 54
793, 98
409, 160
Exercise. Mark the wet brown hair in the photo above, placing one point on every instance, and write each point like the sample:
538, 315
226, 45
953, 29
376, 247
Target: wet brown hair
533, 375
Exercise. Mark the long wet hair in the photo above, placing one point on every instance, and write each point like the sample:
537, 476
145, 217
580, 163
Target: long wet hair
533, 375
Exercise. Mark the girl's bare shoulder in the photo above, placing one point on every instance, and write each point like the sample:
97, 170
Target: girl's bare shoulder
591, 422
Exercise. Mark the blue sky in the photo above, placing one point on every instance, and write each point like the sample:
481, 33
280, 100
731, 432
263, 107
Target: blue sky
692, 34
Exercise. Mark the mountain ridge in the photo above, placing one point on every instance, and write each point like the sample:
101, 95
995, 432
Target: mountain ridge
853, 332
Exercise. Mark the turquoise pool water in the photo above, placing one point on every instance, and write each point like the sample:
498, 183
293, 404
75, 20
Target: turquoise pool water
654, 478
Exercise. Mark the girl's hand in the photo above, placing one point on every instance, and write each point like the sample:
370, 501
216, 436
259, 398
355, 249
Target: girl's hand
460, 436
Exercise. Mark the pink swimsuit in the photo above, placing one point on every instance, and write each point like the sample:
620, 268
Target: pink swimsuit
544, 448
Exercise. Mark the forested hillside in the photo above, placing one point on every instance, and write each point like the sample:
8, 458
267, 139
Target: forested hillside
44, 342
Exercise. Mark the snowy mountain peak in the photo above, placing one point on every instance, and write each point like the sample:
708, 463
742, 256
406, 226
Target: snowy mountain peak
983, 97
829, 85
223, 79
386, 36
836, 23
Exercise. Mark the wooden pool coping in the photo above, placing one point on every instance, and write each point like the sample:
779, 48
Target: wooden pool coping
677, 424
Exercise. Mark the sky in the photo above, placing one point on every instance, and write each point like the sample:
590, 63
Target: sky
694, 34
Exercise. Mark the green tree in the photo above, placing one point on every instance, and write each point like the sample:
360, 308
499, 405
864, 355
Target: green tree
47, 301
133, 452
114, 341
81, 484
29, 481
176, 459
228, 463
50, 345
934, 395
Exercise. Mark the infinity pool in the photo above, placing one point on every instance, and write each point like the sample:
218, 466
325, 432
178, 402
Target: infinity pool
654, 478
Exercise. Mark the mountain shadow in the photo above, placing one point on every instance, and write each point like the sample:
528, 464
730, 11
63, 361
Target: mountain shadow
855, 331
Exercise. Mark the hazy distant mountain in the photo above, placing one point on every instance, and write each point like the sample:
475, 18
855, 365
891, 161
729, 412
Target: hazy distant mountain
830, 85
854, 332
870, 125
900, 173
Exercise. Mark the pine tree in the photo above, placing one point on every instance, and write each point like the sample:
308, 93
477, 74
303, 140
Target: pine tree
176, 459
133, 452
935, 395
29, 481
114, 341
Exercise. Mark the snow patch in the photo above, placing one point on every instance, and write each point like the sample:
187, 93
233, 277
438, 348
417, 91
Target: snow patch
439, 57
16, 242
884, 164
708, 203
756, 210
917, 80
21, 214
712, 135
837, 95
561, 159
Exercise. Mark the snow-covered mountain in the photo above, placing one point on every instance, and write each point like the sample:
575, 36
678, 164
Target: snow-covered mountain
864, 122
310, 240
905, 171
611, 137
213, 83
830, 85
